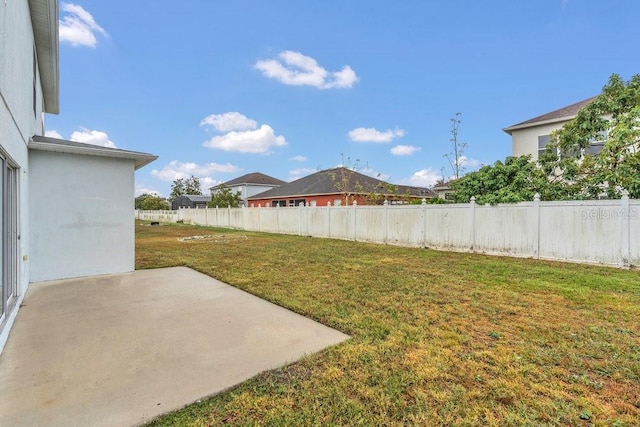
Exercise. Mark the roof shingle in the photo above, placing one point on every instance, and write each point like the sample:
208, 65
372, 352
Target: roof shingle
336, 181
254, 178
561, 114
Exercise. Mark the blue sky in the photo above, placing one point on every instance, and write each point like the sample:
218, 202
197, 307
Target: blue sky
218, 89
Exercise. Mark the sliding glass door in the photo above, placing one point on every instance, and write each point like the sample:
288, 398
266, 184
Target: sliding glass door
9, 247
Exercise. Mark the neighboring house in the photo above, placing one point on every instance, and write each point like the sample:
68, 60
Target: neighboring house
337, 187
444, 190
532, 136
190, 201
67, 207
249, 185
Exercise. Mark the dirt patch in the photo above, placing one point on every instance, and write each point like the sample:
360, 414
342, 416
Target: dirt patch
212, 238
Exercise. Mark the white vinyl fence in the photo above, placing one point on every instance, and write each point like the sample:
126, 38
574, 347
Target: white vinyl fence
593, 231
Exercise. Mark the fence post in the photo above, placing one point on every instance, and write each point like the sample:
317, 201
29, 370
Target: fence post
229, 216
536, 216
625, 230
386, 220
300, 219
473, 222
244, 212
329, 219
355, 221
423, 205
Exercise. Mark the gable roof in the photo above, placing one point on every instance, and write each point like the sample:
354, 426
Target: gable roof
559, 115
44, 143
254, 178
196, 197
324, 182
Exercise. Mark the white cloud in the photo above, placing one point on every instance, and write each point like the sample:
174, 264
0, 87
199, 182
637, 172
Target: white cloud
52, 134
141, 189
229, 122
404, 150
374, 135
207, 182
249, 141
296, 69
93, 137
77, 26
298, 158
175, 170
424, 178
469, 163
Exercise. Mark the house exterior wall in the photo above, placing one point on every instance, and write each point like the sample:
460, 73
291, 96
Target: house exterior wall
250, 190
20, 118
81, 219
525, 141
317, 200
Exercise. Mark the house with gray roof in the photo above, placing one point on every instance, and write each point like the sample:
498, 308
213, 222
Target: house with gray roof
190, 201
338, 186
249, 185
532, 136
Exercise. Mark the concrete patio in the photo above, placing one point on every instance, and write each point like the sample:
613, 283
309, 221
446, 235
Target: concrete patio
119, 350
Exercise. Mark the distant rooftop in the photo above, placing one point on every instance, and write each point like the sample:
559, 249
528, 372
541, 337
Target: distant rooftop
324, 182
254, 178
559, 115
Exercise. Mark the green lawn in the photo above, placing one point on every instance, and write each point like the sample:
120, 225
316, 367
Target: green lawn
438, 338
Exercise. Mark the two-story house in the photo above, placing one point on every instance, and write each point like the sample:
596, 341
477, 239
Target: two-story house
249, 185
532, 136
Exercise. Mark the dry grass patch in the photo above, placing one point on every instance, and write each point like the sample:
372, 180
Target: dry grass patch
439, 338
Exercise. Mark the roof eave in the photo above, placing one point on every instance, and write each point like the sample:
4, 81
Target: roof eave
44, 19
58, 146
510, 129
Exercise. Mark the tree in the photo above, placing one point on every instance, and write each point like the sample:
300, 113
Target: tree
515, 180
613, 120
151, 202
182, 186
223, 197
456, 157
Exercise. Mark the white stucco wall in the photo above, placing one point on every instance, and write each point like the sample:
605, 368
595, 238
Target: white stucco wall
16, 75
81, 215
18, 122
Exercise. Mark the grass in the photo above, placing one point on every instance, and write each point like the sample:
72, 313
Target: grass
438, 338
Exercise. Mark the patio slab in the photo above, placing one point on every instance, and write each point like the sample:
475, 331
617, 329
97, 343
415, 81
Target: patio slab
119, 350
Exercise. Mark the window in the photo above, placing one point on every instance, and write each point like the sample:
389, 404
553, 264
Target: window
597, 144
543, 140
278, 203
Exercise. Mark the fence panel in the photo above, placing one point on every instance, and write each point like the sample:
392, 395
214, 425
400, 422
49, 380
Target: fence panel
507, 229
448, 227
371, 224
405, 225
581, 231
